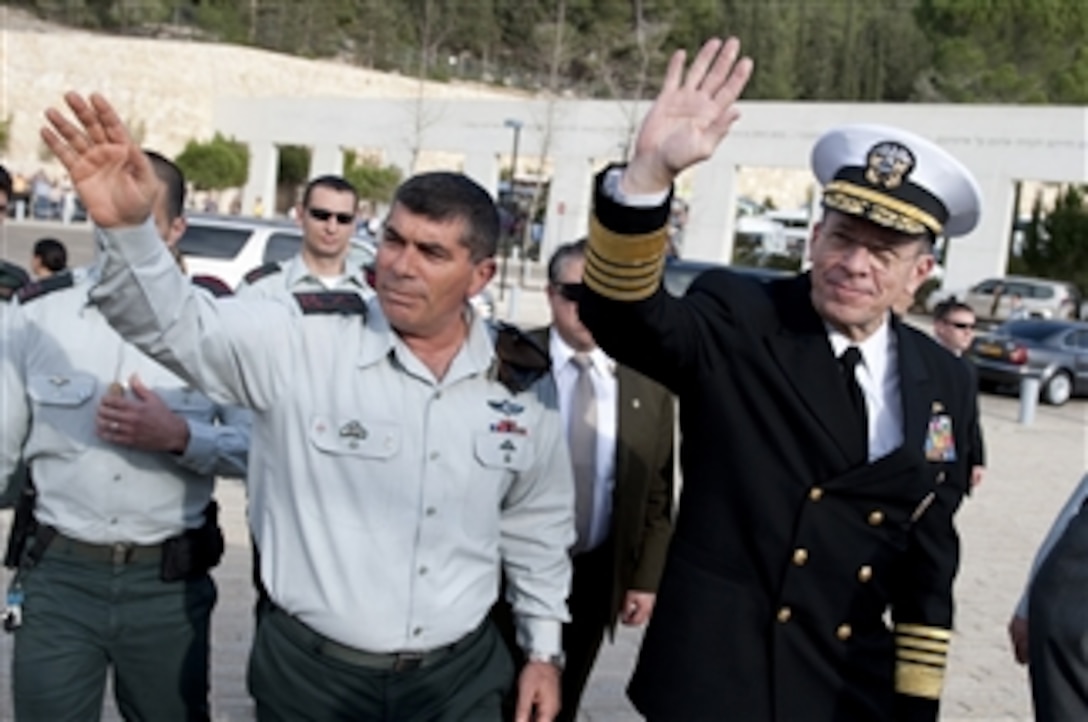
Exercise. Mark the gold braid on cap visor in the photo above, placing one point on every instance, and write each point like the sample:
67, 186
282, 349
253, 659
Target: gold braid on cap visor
880, 208
624, 267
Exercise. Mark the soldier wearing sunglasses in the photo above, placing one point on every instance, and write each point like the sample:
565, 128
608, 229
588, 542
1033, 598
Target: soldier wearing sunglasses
327, 217
954, 326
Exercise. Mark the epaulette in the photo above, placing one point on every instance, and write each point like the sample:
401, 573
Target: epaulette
343, 303
260, 272
216, 286
44, 287
522, 361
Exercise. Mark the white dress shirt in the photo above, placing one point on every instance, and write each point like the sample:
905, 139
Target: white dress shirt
606, 391
878, 376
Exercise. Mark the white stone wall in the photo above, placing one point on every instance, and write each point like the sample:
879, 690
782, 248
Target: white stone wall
167, 88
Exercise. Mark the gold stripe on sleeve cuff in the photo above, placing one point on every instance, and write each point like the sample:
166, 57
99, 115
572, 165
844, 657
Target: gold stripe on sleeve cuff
922, 645
919, 680
921, 630
933, 659
624, 267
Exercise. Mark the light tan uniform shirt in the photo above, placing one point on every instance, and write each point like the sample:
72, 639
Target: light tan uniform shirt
388, 498
60, 357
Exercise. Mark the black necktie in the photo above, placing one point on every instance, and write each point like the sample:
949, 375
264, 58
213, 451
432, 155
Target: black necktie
850, 359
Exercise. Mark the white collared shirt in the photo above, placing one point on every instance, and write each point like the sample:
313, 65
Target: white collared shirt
606, 390
878, 376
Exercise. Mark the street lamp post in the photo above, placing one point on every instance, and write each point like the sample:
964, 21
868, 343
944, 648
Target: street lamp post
516, 126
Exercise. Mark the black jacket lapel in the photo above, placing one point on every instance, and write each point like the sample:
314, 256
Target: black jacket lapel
915, 388
802, 350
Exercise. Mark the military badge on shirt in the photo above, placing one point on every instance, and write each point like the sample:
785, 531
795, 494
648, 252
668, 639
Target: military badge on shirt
940, 444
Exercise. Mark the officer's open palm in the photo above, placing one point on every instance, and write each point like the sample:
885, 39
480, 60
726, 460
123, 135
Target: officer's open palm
690, 116
109, 171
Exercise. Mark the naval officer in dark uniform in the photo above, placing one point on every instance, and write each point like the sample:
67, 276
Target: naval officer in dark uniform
825, 443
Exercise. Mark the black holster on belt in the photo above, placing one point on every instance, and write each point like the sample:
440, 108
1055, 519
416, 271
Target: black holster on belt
23, 526
192, 554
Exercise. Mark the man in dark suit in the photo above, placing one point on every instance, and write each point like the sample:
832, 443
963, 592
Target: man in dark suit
809, 577
624, 479
954, 328
623, 476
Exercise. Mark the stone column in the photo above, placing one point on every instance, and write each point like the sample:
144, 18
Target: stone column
708, 235
569, 198
985, 252
326, 160
483, 167
261, 178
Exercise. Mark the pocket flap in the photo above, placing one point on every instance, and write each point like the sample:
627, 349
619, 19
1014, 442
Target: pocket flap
504, 450
72, 389
354, 437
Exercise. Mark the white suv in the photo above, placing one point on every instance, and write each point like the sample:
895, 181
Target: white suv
229, 247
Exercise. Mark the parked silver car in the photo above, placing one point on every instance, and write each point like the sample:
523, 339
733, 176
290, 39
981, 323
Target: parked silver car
997, 299
1056, 352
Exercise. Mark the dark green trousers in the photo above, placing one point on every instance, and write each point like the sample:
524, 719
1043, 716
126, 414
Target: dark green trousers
292, 683
81, 618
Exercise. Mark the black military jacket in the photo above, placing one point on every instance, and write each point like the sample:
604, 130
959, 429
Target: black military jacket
803, 583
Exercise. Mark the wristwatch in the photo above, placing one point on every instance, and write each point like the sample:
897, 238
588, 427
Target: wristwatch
558, 660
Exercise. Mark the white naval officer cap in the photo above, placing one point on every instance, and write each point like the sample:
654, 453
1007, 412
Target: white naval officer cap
896, 179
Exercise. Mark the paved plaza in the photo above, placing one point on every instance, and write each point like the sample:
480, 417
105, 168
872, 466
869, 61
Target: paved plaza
1031, 471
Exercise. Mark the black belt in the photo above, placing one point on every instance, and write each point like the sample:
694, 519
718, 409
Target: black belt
389, 661
117, 554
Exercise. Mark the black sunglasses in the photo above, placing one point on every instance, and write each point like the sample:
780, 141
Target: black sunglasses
961, 325
571, 291
320, 214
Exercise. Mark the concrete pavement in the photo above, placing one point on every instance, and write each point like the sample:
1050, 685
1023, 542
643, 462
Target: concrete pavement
1031, 471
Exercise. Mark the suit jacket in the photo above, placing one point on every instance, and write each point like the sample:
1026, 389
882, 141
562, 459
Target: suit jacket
789, 546
978, 450
643, 490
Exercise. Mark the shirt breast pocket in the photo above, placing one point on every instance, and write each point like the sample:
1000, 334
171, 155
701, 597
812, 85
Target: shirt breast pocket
63, 412
498, 450
354, 437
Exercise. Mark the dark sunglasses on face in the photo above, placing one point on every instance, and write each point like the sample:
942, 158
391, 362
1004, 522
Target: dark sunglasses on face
571, 291
320, 214
961, 325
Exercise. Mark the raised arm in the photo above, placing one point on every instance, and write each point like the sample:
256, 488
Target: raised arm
227, 350
690, 117
628, 313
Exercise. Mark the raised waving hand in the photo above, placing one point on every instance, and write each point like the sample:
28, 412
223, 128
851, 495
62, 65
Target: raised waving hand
691, 115
109, 171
